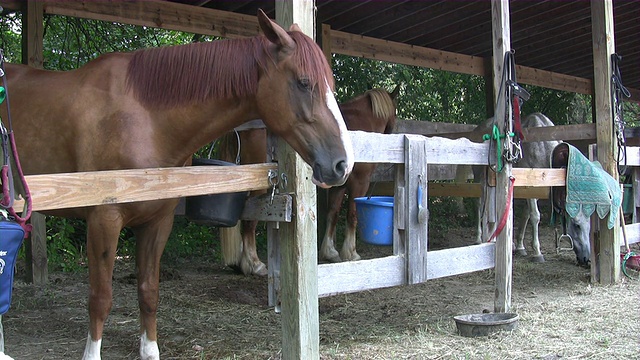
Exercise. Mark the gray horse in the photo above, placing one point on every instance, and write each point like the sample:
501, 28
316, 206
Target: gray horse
536, 154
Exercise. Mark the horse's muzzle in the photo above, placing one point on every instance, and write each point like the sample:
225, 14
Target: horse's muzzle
337, 176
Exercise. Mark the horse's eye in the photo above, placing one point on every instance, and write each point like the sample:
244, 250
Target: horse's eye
304, 84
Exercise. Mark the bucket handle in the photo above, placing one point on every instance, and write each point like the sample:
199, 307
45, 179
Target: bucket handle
213, 145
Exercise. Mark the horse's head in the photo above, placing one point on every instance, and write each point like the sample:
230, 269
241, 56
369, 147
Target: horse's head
578, 228
295, 100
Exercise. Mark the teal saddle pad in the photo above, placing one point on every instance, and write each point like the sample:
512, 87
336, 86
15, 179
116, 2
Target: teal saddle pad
588, 187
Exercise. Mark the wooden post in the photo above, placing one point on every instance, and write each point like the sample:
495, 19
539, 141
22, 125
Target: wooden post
606, 268
504, 261
32, 44
299, 272
415, 207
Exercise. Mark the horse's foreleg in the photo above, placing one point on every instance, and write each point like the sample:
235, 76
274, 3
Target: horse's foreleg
250, 263
348, 252
534, 216
151, 239
328, 250
103, 230
520, 248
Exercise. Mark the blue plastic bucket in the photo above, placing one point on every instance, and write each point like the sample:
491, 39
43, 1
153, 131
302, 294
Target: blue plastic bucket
375, 219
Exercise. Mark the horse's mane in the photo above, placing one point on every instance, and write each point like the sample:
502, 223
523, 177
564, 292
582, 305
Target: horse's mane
381, 103
173, 75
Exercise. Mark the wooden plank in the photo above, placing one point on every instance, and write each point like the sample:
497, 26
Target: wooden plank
372, 48
32, 35
539, 177
474, 190
389, 148
377, 148
267, 208
299, 238
607, 264
415, 206
460, 260
633, 234
37, 271
399, 53
503, 267
633, 156
423, 127
354, 276
59, 191
160, 14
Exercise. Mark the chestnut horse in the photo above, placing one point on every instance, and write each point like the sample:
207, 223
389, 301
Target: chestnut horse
155, 108
373, 111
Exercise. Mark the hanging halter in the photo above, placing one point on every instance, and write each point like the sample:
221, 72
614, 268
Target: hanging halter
511, 149
508, 145
618, 92
6, 175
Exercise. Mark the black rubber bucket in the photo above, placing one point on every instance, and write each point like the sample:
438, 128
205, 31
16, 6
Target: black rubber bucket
219, 210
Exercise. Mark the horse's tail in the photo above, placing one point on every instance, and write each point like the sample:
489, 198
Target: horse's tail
230, 237
231, 244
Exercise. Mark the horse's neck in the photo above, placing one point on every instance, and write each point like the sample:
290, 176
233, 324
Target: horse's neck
197, 125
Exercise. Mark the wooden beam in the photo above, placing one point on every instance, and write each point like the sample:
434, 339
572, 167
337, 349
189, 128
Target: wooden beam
299, 238
606, 264
160, 14
68, 190
399, 53
504, 261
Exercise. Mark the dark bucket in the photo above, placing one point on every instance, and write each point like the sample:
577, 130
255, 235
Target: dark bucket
375, 219
219, 210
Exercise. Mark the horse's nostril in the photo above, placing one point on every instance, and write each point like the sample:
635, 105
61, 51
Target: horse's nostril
340, 168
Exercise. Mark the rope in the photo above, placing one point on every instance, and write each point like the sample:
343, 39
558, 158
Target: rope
507, 210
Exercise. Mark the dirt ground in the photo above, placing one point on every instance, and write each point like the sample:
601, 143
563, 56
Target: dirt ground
209, 312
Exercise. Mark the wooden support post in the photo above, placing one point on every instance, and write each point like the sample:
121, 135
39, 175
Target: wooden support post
299, 281
606, 268
504, 261
32, 44
415, 208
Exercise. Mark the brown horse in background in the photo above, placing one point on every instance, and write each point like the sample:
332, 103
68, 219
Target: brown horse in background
155, 108
373, 111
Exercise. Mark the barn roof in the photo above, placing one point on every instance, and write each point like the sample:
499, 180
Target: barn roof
549, 35
552, 39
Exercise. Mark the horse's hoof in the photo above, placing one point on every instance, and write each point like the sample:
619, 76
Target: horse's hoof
351, 257
537, 258
330, 256
257, 268
521, 252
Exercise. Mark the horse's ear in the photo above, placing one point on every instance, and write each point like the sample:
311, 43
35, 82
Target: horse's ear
395, 92
295, 27
275, 33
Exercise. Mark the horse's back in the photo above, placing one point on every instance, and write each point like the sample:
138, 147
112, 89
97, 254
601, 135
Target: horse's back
58, 116
536, 154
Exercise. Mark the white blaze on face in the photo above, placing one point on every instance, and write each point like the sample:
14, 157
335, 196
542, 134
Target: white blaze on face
332, 104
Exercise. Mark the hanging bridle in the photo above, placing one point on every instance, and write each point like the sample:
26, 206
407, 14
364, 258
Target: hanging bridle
6, 174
